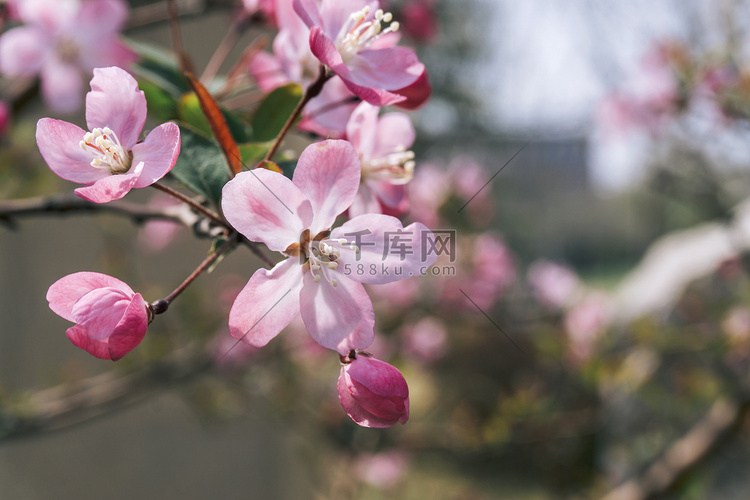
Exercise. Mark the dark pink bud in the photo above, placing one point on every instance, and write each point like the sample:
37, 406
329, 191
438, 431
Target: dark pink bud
416, 94
372, 392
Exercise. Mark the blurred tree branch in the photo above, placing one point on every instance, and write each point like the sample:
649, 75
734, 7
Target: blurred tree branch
77, 402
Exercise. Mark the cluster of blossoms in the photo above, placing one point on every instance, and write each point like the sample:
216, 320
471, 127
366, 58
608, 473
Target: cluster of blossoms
361, 175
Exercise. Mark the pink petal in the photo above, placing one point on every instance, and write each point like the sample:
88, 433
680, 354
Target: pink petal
355, 411
97, 348
65, 292
101, 18
386, 408
362, 129
365, 202
266, 206
325, 50
416, 94
50, 15
401, 258
287, 18
308, 11
390, 195
394, 131
23, 51
62, 85
112, 187
339, 318
158, 153
329, 112
130, 330
100, 311
382, 378
328, 174
58, 141
266, 71
116, 102
267, 304
107, 51
388, 68
334, 13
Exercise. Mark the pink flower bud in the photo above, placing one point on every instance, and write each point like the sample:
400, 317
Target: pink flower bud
372, 392
4, 117
111, 319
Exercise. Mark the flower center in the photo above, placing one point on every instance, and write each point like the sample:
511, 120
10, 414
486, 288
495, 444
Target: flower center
67, 50
322, 256
396, 167
107, 152
356, 34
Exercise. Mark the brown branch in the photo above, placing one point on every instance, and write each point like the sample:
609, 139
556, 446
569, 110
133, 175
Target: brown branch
11, 210
684, 454
74, 403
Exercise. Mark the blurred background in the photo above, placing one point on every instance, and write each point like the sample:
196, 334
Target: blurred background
590, 339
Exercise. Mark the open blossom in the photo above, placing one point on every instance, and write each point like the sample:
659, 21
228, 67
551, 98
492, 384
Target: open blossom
387, 164
109, 160
372, 392
292, 61
322, 277
111, 319
348, 37
62, 41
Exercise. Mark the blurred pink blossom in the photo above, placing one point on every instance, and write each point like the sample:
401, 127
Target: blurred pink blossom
419, 21
62, 41
4, 117
231, 354
428, 191
584, 323
427, 340
553, 285
372, 392
382, 470
109, 160
111, 319
156, 235
399, 295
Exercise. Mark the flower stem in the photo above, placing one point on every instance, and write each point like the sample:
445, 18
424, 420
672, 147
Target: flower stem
197, 206
160, 306
312, 91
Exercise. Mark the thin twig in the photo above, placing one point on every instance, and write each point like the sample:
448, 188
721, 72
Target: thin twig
312, 91
194, 204
186, 64
225, 47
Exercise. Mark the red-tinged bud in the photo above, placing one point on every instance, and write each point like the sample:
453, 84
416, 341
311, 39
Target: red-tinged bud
416, 94
372, 392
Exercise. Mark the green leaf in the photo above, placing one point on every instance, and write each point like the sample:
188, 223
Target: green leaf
201, 165
274, 111
158, 67
252, 152
287, 167
161, 104
189, 110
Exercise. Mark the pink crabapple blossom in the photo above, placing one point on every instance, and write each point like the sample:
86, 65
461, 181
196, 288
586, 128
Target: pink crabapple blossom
347, 37
62, 41
387, 164
108, 160
372, 392
293, 61
323, 275
111, 319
